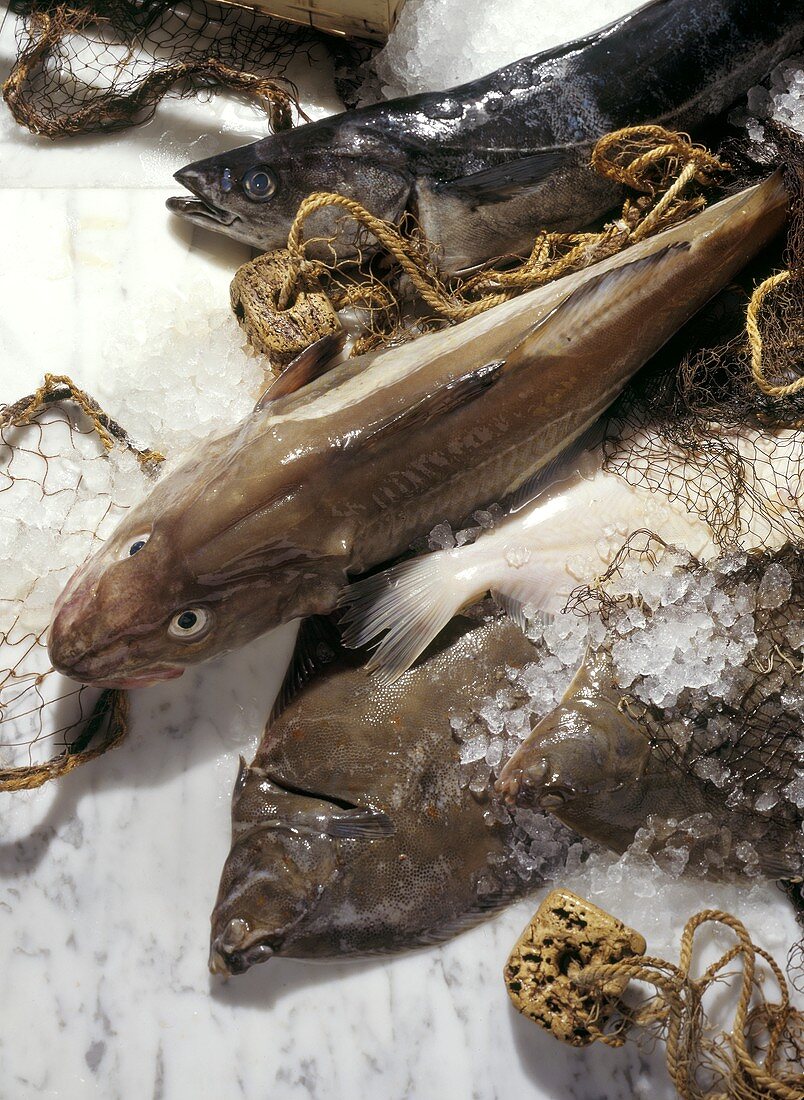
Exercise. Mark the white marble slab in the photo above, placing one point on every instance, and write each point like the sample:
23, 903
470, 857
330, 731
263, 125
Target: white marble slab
107, 879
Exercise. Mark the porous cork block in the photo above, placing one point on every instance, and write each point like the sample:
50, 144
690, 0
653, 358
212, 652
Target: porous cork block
566, 935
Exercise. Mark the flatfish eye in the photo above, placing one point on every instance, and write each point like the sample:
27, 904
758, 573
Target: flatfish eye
190, 624
259, 183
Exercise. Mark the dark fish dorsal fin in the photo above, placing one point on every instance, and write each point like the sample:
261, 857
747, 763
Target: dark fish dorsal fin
562, 467
309, 365
318, 645
502, 181
448, 397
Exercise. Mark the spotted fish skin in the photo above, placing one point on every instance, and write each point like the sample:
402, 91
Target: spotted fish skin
487, 164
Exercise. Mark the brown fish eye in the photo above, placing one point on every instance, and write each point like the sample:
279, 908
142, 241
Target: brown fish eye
190, 624
259, 183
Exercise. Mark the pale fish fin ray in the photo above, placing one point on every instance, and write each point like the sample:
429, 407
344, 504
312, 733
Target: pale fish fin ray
360, 824
412, 601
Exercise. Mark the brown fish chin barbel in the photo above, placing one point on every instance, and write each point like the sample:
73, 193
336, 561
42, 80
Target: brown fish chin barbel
265, 522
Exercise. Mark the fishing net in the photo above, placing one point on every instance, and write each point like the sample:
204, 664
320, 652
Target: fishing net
106, 64
722, 433
68, 472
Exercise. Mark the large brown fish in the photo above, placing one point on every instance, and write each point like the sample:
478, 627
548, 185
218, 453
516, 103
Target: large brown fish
264, 523
353, 830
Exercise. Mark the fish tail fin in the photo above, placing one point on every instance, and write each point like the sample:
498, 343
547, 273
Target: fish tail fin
412, 602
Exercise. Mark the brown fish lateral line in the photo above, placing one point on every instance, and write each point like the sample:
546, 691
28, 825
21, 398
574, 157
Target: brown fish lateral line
660, 164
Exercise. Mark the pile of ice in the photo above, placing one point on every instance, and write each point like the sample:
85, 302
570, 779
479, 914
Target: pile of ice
782, 100
683, 641
186, 373
440, 43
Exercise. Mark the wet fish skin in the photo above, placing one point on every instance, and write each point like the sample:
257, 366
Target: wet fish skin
264, 523
486, 164
309, 894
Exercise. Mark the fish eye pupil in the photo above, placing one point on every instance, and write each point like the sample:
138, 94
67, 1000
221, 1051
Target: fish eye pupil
259, 183
187, 620
136, 547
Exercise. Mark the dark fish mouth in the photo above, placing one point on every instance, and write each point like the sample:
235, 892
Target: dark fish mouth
200, 208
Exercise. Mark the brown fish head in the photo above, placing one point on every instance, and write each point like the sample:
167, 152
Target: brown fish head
190, 574
253, 193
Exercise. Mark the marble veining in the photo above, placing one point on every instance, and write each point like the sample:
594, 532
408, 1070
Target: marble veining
107, 879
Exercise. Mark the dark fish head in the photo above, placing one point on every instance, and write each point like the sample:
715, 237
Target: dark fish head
189, 574
252, 193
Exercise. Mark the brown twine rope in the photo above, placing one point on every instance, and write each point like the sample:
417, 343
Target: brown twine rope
677, 1007
755, 340
110, 111
650, 159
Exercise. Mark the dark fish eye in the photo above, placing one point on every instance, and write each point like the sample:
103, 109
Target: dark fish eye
259, 183
137, 545
190, 624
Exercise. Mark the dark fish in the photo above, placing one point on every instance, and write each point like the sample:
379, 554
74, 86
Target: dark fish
484, 166
264, 523
352, 833
719, 779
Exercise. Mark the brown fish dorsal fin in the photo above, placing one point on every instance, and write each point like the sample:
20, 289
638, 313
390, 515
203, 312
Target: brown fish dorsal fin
306, 367
318, 646
452, 395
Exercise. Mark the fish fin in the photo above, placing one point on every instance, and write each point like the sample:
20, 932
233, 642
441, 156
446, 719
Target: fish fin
318, 644
502, 181
448, 397
514, 607
306, 367
360, 824
412, 601
562, 467
555, 333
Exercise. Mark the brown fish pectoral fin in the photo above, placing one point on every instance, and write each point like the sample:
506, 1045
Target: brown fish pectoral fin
513, 177
412, 601
360, 824
306, 367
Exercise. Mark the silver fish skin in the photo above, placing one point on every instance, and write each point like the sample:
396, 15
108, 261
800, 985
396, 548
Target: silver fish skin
608, 765
264, 523
485, 165
351, 831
